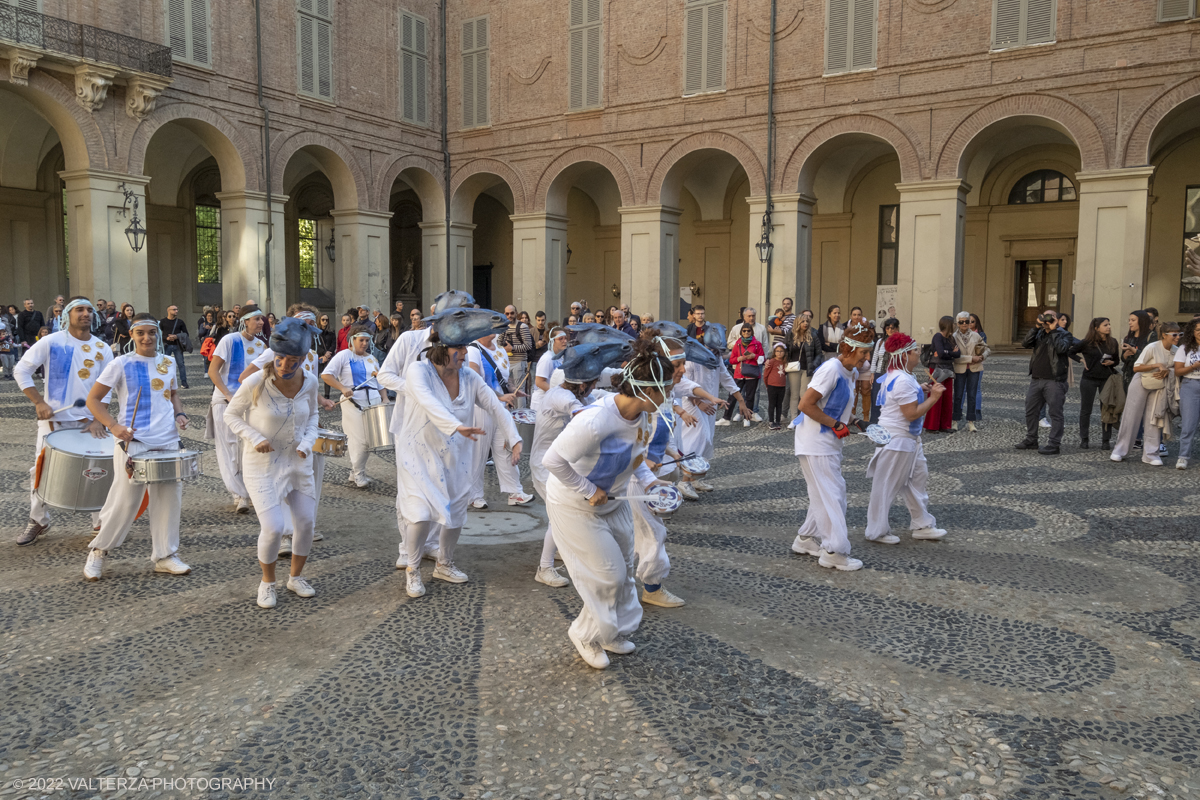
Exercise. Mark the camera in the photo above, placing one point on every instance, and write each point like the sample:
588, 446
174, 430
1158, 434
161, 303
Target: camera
1048, 318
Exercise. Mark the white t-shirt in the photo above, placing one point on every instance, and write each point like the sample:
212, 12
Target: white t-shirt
70, 365
836, 385
236, 351
558, 406
351, 370
145, 382
311, 365
545, 369
1188, 360
896, 389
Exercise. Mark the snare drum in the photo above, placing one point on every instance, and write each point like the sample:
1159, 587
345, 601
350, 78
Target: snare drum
330, 443
166, 466
525, 420
74, 470
696, 466
667, 500
524, 416
376, 422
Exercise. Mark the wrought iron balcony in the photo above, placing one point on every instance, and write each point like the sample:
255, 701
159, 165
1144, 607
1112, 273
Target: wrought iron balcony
82, 42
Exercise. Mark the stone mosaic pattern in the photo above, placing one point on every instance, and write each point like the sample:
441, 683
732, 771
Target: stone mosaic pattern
1048, 648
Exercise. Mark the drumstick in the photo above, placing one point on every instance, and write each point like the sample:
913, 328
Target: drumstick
124, 444
80, 403
676, 461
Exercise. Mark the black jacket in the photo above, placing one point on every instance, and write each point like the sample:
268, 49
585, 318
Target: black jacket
1093, 355
1055, 346
809, 355
28, 325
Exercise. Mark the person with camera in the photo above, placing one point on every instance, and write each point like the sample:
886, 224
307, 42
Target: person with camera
1051, 345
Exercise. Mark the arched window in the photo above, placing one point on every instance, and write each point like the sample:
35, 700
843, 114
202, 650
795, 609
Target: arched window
1043, 186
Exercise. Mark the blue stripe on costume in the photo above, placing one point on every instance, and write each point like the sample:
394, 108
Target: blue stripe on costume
58, 372
657, 450
237, 362
885, 389
839, 398
615, 455
137, 379
358, 371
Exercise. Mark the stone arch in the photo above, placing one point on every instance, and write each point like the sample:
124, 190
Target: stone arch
426, 176
667, 179
1063, 115
550, 185
82, 139
464, 190
235, 155
801, 167
1136, 152
336, 160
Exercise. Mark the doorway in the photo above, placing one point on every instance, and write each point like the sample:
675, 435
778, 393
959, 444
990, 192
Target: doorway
481, 284
1039, 286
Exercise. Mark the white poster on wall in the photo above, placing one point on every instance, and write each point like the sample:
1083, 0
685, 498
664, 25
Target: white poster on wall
685, 301
886, 298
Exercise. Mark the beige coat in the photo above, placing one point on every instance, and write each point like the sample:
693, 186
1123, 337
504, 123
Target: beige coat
970, 344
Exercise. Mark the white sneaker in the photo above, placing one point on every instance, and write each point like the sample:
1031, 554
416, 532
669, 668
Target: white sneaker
756, 418
297, 585
551, 577
94, 568
414, 586
687, 490
737, 417
480, 503
928, 533
1115, 457
745, 423
887, 538
449, 573
318, 536
622, 648
1045, 423
242, 505
1181, 463
839, 562
402, 561
661, 598
172, 565
266, 595
791, 426
362, 483
1153, 460
520, 499
590, 652
702, 486
971, 427
806, 546
722, 423
285, 545
432, 551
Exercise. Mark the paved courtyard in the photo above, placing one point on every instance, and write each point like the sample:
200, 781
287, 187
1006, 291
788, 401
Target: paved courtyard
1048, 648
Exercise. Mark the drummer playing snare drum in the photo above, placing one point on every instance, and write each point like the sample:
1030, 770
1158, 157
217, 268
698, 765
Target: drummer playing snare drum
352, 373
149, 418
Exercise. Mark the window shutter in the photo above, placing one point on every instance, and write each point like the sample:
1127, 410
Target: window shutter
475, 72
481, 88
593, 66
1039, 21
576, 68
583, 54
177, 27
200, 31
862, 46
1006, 23
714, 48
693, 78
468, 75
421, 70
837, 36
29, 5
413, 69
307, 54
324, 59
1169, 10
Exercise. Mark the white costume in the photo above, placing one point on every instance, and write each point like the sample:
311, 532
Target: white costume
545, 370
899, 467
820, 452
555, 410
434, 466
649, 532
70, 367
144, 382
351, 370
282, 475
599, 448
236, 351
698, 439
493, 440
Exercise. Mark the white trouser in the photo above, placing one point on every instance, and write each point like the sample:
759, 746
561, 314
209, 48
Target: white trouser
402, 524
229, 452
418, 537
356, 441
904, 473
125, 498
508, 473
274, 522
649, 540
38, 511
289, 522
1138, 414
549, 548
598, 553
826, 517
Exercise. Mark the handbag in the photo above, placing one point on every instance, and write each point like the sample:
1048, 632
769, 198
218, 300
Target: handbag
926, 354
751, 370
792, 366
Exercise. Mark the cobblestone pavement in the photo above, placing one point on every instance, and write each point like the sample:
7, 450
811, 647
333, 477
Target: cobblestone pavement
1048, 648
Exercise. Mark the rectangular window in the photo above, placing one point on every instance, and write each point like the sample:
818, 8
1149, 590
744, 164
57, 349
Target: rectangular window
208, 244
850, 35
889, 241
1017, 23
26, 5
584, 60
310, 249
314, 47
1189, 284
475, 41
414, 69
1170, 10
704, 47
188, 31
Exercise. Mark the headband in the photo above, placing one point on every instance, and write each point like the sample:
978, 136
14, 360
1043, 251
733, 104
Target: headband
661, 341
144, 323
83, 301
255, 313
361, 335
307, 316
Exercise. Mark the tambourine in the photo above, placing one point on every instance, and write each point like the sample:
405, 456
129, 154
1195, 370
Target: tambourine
877, 434
696, 465
666, 500
524, 416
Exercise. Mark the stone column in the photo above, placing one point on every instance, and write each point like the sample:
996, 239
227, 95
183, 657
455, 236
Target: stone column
1111, 254
650, 260
791, 258
539, 263
435, 277
244, 234
363, 274
103, 263
930, 258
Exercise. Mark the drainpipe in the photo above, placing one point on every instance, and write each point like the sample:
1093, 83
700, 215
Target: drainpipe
266, 145
445, 148
770, 146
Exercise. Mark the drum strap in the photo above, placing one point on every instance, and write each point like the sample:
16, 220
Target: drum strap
37, 473
145, 504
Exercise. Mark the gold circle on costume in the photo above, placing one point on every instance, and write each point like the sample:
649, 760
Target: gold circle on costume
87, 348
99, 356
164, 366
84, 374
167, 394
310, 358
87, 362
157, 384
